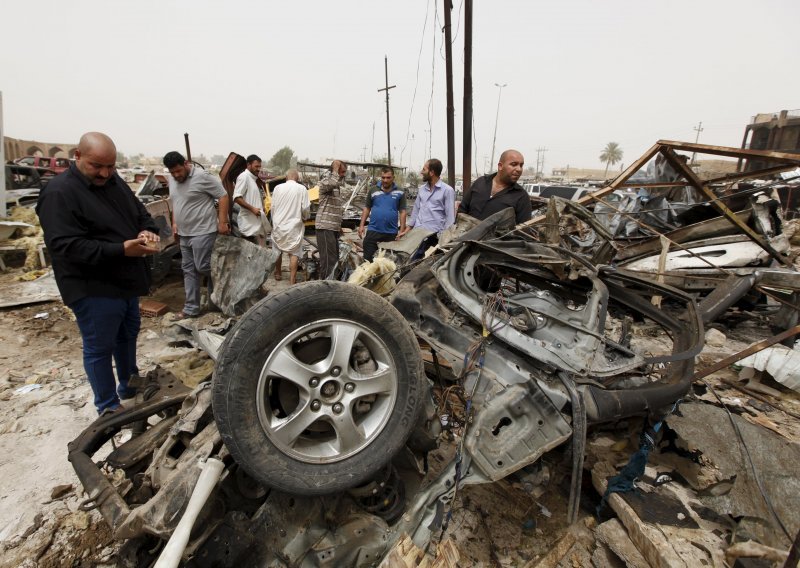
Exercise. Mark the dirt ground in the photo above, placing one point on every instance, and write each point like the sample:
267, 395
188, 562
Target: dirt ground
45, 401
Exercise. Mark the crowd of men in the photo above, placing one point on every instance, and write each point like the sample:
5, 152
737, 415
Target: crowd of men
98, 235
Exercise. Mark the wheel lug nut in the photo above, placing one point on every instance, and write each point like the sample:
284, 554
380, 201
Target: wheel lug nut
338, 408
313, 382
315, 405
349, 387
336, 371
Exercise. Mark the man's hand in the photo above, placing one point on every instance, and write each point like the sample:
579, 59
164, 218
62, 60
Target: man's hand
401, 233
255, 211
149, 237
175, 230
224, 228
138, 247
361, 231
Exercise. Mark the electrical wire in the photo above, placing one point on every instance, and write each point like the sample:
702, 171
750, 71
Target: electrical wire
458, 22
416, 81
433, 82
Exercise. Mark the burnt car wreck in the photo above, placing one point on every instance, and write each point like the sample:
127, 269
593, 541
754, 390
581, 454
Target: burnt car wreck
309, 445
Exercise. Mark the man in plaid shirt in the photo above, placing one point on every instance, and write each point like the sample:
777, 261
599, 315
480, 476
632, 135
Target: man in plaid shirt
328, 222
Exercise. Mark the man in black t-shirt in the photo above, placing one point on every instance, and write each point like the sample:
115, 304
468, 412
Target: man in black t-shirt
494, 192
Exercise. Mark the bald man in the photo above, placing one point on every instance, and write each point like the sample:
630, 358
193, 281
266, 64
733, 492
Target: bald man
290, 207
98, 233
494, 192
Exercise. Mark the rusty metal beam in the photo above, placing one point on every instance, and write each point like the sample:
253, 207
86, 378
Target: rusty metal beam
754, 348
698, 184
732, 152
615, 183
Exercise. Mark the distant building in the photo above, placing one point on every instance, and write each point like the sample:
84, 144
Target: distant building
16, 148
778, 131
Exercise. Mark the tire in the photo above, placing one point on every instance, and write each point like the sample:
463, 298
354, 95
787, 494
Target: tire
291, 407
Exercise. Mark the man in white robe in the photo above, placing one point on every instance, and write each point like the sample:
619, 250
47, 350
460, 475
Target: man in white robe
290, 207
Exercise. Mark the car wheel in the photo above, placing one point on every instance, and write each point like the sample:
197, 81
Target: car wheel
316, 388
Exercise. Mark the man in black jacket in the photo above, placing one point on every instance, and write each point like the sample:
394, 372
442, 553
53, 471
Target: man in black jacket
492, 193
97, 233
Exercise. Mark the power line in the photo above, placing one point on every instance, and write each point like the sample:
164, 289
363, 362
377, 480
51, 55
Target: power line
416, 81
496, 116
433, 79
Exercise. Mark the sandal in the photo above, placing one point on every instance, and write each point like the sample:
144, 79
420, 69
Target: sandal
183, 315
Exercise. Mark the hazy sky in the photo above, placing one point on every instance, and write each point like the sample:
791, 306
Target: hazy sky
251, 76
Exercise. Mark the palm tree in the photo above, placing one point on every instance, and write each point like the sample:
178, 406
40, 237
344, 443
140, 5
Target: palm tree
612, 154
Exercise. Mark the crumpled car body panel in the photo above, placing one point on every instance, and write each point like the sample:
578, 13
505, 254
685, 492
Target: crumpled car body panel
528, 335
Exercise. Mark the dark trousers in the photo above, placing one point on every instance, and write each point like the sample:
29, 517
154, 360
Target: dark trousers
328, 247
371, 240
427, 242
109, 328
196, 263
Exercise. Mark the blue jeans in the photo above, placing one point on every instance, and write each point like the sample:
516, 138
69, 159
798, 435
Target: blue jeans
196, 263
109, 328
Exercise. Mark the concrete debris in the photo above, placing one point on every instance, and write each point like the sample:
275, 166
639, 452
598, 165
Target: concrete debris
614, 536
705, 432
60, 491
715, 338
406, 554
751, 549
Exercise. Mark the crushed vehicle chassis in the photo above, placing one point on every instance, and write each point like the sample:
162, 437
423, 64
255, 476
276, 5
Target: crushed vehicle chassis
326, 399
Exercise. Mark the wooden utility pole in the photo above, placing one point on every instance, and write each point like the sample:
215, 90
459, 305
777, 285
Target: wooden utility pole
467, 159
386, 88
188, 148
451, 111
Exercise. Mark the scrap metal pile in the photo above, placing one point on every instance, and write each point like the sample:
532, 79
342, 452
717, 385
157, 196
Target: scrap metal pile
508, 345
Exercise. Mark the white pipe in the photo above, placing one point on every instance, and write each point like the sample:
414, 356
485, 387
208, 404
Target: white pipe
173, 551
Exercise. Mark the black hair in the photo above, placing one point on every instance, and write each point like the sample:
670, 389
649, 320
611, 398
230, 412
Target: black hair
253, 158
435, 166
172, 159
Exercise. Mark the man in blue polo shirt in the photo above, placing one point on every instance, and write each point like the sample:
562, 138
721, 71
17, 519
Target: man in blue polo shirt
382, 208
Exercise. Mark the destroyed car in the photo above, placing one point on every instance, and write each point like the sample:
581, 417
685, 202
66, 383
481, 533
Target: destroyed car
23, 184
308, 447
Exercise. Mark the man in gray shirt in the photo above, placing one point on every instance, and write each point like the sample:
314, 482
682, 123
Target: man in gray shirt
194, 217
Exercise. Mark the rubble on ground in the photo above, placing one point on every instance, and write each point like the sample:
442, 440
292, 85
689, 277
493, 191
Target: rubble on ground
719, 482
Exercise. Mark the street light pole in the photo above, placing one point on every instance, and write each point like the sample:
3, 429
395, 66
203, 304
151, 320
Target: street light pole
698, 129
496, 116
